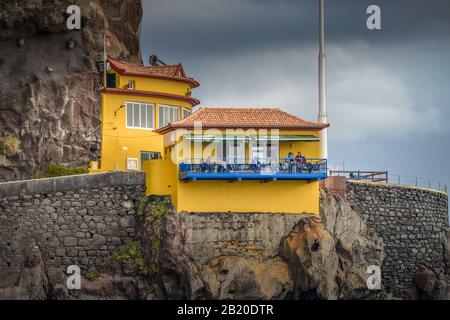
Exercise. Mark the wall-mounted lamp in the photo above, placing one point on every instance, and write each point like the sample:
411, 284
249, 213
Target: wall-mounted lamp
115, 112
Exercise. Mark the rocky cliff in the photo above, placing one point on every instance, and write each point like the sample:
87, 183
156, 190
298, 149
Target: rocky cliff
315, 258
49, 80
132, 247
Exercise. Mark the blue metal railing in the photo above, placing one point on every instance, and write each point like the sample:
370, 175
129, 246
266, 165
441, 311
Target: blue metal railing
253, 169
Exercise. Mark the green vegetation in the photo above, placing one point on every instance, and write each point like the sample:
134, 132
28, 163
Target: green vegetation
142, 206
59, 170
158, 209
132, 255
28, 107
152, 209
92, 275
9, 146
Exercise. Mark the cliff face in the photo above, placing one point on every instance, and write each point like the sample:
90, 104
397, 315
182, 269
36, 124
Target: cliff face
49, 85
132, 247
316, 258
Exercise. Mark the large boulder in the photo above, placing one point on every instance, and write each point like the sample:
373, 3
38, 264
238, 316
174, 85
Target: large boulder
356, 245
311, 255
234, 277
28, 283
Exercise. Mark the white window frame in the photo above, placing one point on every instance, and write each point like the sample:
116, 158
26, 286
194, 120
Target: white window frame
128, 164
170, 107
140, 111
131, 85
188, 110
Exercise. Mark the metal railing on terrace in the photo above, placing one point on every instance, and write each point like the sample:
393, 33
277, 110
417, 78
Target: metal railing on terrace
373, 176
385, 177
253, 169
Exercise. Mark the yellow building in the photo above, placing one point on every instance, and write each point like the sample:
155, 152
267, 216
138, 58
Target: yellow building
136, 101
212, 160
237, 160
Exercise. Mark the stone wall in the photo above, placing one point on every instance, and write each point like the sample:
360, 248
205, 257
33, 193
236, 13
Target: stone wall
412, 223
71, 220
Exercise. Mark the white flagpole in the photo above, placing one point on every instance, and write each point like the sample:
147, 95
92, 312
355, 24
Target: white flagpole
105, 60
323, 118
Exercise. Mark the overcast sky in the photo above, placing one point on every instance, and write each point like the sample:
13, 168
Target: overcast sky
388, 90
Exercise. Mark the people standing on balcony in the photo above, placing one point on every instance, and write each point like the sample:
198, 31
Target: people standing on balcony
299, 161
289, 162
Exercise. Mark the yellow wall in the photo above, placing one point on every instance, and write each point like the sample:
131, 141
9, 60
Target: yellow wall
154, 85
307, 148
161, 178
248, 196
116, 136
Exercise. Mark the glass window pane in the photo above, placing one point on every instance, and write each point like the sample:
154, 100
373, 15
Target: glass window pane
129, 115
149, 116
136, 115
160, 117
143, 116
171, 115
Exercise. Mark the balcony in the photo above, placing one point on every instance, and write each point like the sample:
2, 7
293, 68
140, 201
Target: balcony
246, 169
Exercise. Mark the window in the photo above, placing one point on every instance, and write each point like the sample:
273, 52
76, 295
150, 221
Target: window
186, 113
231, 151
111, 80
140, 116
131, 85
132, 164
168, 114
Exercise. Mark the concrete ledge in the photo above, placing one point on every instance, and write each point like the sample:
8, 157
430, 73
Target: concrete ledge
63, 184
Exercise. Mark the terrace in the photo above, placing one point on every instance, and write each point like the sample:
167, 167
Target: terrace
251, 169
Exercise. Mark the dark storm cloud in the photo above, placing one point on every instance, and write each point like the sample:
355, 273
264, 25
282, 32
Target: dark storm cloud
221, 27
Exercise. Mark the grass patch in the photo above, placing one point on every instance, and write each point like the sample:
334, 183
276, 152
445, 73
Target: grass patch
59, 170
132, 255
92, 275
9, 146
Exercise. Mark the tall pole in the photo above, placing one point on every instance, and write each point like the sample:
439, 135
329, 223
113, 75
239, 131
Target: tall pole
105, 61
323, 118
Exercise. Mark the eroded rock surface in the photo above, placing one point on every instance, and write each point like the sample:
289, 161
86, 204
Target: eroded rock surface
30, 282
50, 78
356, 245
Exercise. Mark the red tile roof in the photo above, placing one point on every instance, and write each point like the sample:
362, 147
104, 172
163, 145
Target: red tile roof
130, 92
171, 72
175, 70
235, 118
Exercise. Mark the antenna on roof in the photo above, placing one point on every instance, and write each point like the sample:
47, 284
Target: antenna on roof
154, 61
